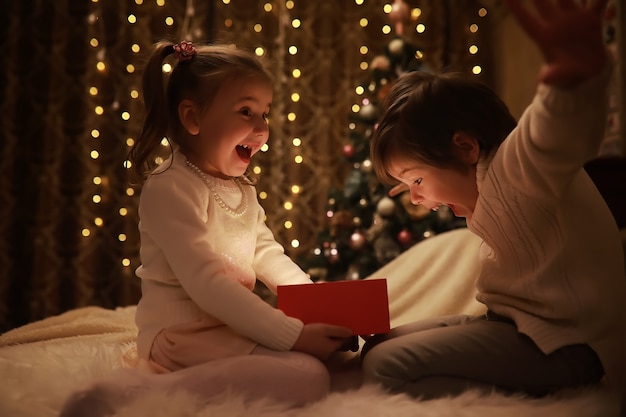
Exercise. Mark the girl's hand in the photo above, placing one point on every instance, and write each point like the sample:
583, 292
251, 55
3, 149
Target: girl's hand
321, 340
568, 34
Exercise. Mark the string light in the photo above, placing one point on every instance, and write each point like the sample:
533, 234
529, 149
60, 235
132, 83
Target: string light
104, 69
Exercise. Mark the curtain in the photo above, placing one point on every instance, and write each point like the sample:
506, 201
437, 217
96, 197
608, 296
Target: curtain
71, 106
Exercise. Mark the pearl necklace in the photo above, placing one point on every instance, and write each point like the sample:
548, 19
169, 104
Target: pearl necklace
237, 212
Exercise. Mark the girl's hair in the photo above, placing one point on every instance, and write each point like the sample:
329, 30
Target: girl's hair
197, 79
422, 113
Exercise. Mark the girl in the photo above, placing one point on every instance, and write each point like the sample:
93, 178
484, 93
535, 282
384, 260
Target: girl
552, 274
204, 243
203, 237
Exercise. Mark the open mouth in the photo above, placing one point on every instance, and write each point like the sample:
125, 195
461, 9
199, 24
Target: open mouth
244, 152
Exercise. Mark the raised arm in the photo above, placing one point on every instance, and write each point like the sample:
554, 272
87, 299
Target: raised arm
568, 34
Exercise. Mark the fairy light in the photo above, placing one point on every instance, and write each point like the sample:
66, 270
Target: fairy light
103, 66
122, 106
473, 48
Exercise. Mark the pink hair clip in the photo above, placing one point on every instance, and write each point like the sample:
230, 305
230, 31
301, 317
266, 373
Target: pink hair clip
184, 51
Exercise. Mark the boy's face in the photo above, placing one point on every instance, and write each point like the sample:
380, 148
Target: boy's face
433, 187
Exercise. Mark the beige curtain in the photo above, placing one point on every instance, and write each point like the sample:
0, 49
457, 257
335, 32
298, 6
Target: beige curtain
69, 75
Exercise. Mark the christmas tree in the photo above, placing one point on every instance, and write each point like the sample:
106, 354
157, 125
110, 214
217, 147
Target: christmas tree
367, 228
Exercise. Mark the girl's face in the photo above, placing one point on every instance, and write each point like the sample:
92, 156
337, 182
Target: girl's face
231, 130
433, 187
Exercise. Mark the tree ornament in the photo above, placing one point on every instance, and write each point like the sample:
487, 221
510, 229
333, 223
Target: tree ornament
348, 150
386, 207
405, 237
400, 15
333, 256
368, 112
396, 46
366, 166
357, 240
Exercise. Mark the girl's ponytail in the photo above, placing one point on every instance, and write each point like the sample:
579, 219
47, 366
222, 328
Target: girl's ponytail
156, 122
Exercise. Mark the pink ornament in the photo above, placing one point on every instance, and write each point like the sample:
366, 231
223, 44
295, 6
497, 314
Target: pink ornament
400, 15
348, 151
405, 237
357, 240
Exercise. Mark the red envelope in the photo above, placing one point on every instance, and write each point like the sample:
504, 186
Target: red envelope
361, 305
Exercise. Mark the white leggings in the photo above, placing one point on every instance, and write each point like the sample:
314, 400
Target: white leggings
291, 377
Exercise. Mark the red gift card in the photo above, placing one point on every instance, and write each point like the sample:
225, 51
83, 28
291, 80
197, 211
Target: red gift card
361, 305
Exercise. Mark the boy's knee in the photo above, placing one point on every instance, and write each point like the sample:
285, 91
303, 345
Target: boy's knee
374, 364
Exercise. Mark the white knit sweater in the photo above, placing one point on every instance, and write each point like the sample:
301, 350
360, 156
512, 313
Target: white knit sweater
552, 257
200, 262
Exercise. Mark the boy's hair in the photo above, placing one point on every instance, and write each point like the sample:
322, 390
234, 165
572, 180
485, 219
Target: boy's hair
423, 111
197, 79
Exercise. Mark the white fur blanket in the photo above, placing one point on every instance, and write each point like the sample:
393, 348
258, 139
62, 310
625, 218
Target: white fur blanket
37, 377
42, 362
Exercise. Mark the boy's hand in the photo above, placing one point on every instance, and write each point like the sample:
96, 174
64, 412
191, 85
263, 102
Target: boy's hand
569, 36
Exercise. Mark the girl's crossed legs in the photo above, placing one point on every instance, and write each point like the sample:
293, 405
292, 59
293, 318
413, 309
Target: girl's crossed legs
290, 377
448, 355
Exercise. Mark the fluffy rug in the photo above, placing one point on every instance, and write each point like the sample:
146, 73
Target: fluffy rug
37, 377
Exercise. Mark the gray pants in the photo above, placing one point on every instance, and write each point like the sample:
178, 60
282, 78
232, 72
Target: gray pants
448, 355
